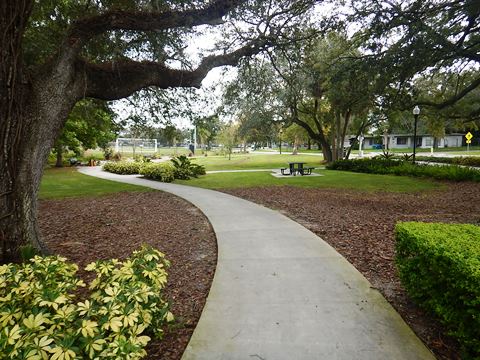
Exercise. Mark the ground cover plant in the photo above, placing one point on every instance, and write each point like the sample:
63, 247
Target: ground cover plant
41, 316
439, 265
68, 182
400, 167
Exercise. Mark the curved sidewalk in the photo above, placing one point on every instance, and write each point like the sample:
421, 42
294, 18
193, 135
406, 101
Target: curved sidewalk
281, 292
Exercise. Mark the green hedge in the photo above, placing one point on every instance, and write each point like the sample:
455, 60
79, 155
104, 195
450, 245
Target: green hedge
122, 167
373, 165
458, 160
158, 171
179, 168
439, 265
400, 167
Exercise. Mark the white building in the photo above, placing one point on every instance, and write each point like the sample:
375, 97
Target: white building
405, 141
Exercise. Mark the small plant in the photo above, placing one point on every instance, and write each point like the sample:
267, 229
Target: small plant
185, 169
407, 157
28, 252
386, 155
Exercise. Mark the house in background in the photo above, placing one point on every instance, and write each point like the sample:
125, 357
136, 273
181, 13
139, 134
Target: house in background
405, 141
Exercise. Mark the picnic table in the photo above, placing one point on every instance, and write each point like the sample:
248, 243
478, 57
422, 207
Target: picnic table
297, 168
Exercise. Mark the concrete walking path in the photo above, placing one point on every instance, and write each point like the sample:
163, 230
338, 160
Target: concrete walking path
281, 292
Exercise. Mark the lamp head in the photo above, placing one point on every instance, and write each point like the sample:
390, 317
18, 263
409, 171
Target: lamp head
416, 110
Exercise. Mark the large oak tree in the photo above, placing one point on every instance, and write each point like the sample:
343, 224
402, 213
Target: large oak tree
54, 54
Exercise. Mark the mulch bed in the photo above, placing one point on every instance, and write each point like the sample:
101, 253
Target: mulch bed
360, 226
89, 229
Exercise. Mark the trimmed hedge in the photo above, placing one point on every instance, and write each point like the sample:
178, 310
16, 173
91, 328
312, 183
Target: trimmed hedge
399, 167
178, 168
439, 265
123, 167
372, 166
158, 171
458, 160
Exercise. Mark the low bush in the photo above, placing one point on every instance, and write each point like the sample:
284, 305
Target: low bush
376, 165
158, 171
123, 167
40, 318
399, 167
439, 265
458, 160
185, 169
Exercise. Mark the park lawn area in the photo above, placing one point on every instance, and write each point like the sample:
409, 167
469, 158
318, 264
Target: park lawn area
255, 161
331, 179
58, 183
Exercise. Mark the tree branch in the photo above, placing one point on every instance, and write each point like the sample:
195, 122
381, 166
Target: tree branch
473, 85
119, 79
84, 29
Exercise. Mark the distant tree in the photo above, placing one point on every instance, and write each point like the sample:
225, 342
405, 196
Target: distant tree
207, 129
405, 39
228, 137
320, 85
89, 125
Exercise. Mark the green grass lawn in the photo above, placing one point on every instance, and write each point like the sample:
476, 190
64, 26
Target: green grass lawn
255, 161
331, 179
60, 183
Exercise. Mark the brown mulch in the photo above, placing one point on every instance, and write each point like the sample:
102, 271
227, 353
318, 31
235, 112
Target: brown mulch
360, 226
89, 229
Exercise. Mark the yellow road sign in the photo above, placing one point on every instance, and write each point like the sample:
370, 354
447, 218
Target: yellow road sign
468, 141
469, 136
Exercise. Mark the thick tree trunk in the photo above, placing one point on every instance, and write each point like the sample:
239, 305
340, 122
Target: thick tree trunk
13, 92
33, 110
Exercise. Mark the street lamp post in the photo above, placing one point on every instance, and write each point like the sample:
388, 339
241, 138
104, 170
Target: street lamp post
416, 112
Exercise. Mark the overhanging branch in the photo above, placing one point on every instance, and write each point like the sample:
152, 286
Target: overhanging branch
473, 85
84, 29
119, 79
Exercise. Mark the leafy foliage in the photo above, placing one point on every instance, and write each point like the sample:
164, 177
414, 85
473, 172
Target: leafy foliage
41, 319
460, 160
399, 167
158, 171
184, 169
123, 167
439, 265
